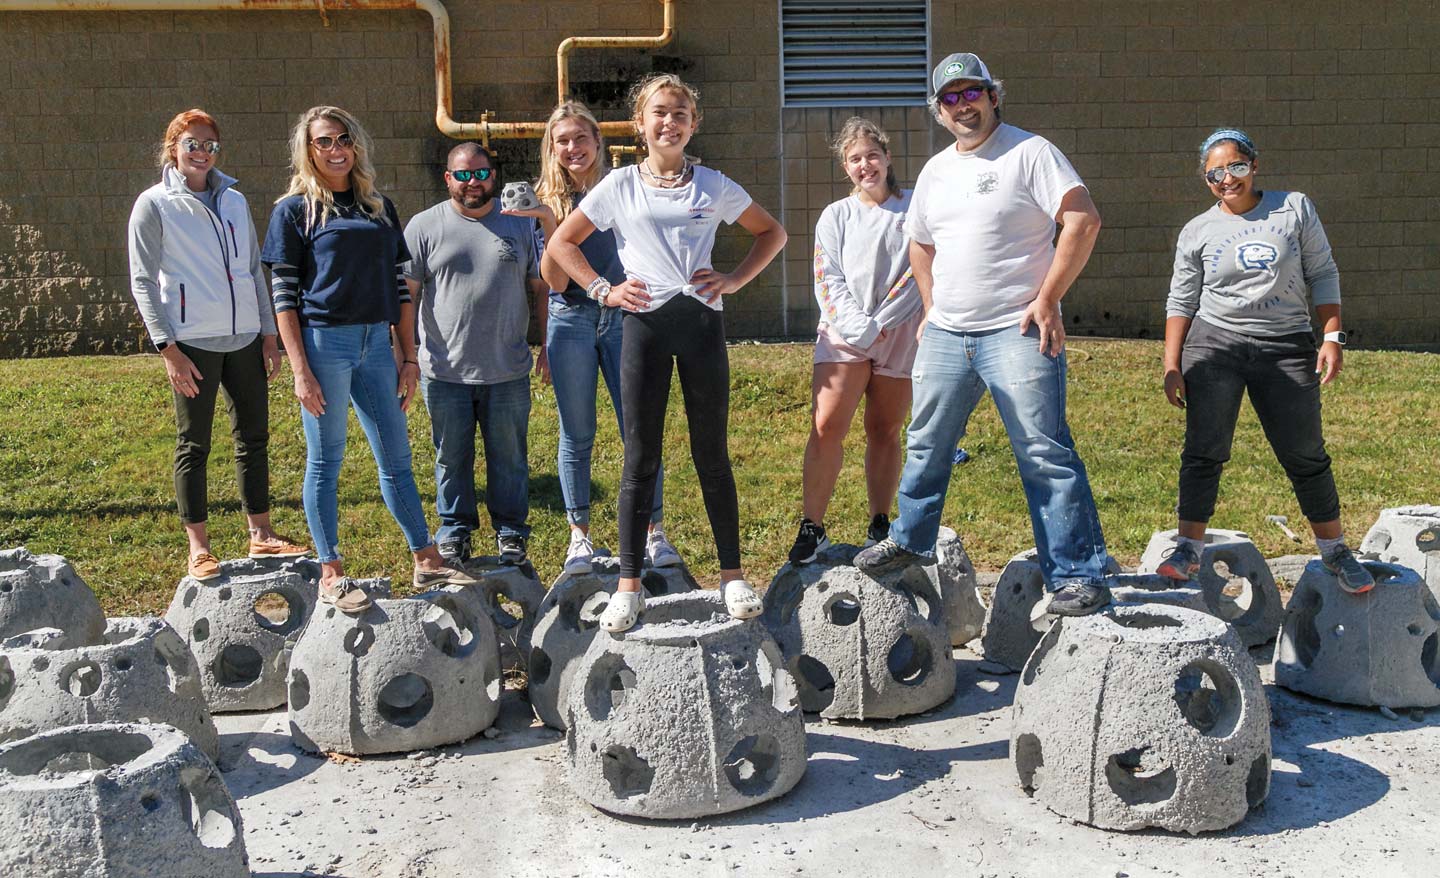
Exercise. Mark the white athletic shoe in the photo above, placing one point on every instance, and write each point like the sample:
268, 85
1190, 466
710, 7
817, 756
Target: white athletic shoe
577, 557
659, 550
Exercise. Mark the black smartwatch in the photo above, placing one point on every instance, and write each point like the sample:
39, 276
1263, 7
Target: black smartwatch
161, 345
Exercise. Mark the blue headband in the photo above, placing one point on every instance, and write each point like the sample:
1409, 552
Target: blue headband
1234, 134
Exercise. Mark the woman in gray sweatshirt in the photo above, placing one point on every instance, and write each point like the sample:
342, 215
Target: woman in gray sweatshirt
1238, 321
195, 275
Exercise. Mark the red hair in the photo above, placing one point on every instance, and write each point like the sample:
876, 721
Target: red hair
176, 129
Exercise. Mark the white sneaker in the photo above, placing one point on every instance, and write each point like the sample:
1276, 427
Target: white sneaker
577, 557
659, 550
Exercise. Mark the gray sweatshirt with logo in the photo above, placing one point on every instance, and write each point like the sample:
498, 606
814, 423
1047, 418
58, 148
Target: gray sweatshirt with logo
1257, 273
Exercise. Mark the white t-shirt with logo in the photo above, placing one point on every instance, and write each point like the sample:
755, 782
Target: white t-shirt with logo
664, 236
990, 214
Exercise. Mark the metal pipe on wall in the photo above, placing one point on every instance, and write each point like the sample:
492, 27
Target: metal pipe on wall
484, 130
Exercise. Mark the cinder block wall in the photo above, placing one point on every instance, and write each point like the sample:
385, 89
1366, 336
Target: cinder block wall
1341, 106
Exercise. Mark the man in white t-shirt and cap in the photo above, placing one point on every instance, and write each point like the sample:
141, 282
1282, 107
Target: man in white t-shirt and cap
991, 273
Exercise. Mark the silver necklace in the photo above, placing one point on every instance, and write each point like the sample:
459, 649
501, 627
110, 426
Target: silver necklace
671, 179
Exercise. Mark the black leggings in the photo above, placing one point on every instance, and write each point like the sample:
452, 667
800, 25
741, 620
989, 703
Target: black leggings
240, 376
685, 333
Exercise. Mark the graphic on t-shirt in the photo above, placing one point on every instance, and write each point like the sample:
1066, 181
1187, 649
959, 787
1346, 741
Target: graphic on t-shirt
508, 250
987, 183
1256, 255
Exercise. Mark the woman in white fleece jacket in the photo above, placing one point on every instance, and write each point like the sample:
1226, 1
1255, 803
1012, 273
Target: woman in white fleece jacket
195, 276
870, 310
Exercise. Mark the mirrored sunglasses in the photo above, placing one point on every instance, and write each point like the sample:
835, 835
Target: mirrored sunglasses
971, 95
1238, 170
190, 144
482, 175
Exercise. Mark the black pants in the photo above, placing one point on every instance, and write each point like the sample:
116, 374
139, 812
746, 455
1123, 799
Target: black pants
241, 376
1279, 373
682, 333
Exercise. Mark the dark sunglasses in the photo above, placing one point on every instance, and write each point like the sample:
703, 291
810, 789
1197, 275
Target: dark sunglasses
326, 142
971, 95
1238, 170
190, 144
482, 175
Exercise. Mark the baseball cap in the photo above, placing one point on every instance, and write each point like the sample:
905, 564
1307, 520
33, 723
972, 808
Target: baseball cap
960, 65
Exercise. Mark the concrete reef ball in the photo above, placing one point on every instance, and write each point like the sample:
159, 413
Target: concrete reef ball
1140, 717
404, 675
116, 801
44, 591
143, 672
1150, 588
242, 626
1381, 648
1009, 637
687, 715
569, 620
519, 585
1410, 536
964, 614
1237, 583
861, 647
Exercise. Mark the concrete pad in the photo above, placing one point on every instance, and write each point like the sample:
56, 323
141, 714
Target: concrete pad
519, 587
242, 625
143, 672
964, 613
1381, 648
403, 675
1148, 588
569, 618
689, 714
861, 647
1409, 536
1235, 579
1010, 634
116, 801
44, 591
1143, 716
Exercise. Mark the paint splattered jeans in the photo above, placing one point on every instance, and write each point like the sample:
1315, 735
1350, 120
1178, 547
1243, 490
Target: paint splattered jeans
952, 372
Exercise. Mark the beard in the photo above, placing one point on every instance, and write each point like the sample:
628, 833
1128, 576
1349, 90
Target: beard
476, 200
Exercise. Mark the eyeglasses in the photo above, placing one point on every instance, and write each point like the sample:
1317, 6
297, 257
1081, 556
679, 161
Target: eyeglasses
325, 142
481, 174
190, 144
1238, 170
971, 95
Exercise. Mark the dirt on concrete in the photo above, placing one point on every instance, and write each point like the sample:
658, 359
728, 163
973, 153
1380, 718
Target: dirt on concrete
1354, 792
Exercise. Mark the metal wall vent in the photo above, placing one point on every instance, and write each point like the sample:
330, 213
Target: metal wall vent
871, 53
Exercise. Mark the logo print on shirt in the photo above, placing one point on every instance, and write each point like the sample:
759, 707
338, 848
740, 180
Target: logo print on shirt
1256, 255
702, 214
508, 250
987, 183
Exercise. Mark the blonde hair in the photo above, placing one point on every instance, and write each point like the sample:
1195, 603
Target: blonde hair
176, 130
305, 177
857, 128
641, 93
556, 188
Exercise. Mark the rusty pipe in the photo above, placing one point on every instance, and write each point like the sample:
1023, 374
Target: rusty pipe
562, 52
484, 130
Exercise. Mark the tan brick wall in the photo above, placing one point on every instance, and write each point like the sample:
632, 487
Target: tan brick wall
1342, 108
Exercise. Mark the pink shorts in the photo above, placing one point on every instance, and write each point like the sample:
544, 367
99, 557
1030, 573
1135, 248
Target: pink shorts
891, 355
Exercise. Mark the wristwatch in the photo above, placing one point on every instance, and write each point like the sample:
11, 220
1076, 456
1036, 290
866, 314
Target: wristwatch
161, 345
1338, 336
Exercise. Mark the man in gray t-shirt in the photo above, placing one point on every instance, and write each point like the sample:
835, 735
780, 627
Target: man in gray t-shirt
470, 272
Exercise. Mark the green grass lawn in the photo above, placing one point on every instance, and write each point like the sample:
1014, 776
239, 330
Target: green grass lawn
86, 444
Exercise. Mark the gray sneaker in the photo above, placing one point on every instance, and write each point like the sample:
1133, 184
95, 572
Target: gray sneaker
1180, 565
888, 555
1079, 598
1348, 571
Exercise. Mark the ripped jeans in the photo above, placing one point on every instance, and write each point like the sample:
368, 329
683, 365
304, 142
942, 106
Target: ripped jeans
952, 372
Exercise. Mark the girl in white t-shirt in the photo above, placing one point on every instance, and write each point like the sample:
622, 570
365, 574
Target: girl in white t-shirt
869, 310
665, 212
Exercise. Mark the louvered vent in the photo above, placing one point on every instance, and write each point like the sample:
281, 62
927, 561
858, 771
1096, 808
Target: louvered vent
847, 53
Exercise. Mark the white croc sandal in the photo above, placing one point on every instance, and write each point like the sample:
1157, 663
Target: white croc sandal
623, 611
741, 601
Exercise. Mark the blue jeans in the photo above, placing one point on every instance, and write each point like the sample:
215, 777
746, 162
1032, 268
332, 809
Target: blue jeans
583, 342
503, 413
952, 372
355, 363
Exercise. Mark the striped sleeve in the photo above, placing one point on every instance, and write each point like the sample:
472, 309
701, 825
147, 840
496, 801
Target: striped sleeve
404, 288
285, 287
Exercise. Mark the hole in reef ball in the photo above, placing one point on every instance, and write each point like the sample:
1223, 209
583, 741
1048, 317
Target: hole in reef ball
279, 611
606, 687
209, 808
909, 660
358, 640
816, 683
299, 689
842, 609
83, 679
238, 665
627, 773
150, 802
1208, 697
540, 666
406, 700
753, 764
1257, 781
1029, 760
201, 632
1140, 776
